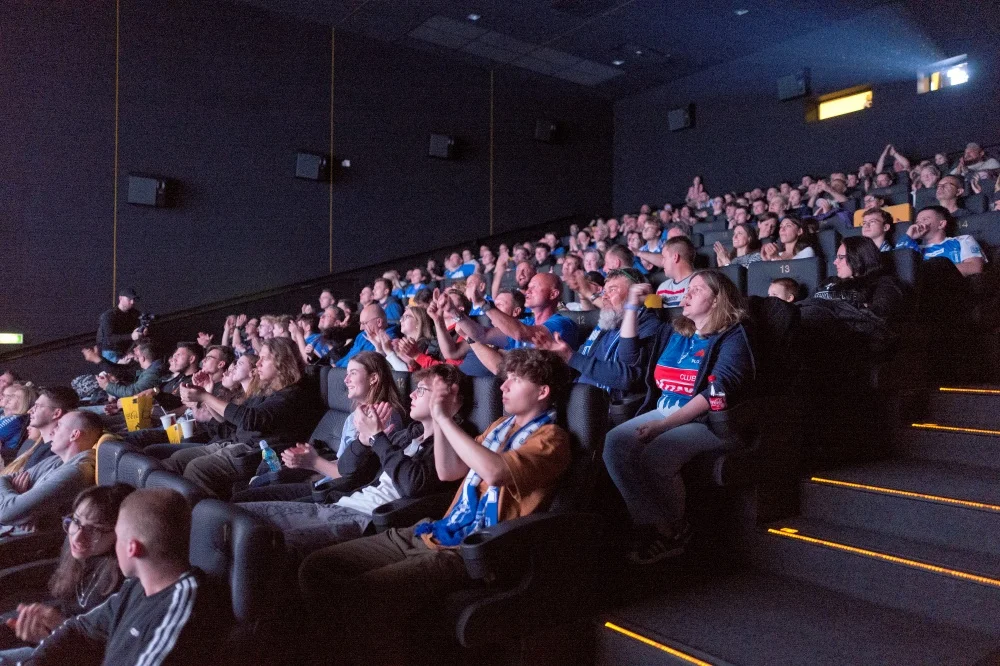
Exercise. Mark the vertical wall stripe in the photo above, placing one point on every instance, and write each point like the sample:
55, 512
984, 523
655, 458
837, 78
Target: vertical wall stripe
333, 45
492, 73
114, 214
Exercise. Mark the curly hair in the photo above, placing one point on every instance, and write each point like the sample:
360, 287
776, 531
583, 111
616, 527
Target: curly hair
287, 361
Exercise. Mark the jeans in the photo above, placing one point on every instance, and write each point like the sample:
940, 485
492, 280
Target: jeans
648, 475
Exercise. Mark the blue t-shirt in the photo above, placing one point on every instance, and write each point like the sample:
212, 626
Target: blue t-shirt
361, 344
557, 323
677, 370
319, 347
463, 271
411, 290
653, 248
956, 249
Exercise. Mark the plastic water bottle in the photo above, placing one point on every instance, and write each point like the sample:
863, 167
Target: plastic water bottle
270, 457
716, 396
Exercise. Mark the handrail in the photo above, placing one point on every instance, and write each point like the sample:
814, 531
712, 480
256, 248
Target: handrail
355, 274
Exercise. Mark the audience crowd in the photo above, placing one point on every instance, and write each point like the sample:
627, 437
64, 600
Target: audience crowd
669, 336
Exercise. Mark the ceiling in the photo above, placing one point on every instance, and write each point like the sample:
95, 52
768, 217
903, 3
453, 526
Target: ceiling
656, 41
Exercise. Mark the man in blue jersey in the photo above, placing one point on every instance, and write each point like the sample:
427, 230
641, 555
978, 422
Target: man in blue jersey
930, 229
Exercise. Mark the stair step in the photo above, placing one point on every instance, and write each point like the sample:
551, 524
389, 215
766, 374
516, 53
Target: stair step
980, 449
950, 505
973, 407
948, 585
758, 619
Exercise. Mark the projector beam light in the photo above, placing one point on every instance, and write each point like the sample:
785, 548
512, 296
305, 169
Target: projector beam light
11, 339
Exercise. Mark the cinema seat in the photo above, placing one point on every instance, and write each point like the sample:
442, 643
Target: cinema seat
807, 272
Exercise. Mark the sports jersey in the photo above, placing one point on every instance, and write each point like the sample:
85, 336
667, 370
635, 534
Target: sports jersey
652, 248
677, 370
463, 271
672, 291
956, 249
557, 323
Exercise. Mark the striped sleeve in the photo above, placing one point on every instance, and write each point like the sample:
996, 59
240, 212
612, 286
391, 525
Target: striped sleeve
165, 637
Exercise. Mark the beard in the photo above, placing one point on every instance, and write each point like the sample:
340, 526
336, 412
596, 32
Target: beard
610, 319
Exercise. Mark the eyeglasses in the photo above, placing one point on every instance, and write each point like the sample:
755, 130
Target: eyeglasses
420, 391
71, 525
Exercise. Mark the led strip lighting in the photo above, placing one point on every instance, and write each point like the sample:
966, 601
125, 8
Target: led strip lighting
791, 533
906, 493
974, 431
659, 646
973, 391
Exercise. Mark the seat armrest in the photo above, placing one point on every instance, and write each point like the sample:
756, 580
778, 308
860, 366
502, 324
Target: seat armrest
410, 510
27, 582
496, 552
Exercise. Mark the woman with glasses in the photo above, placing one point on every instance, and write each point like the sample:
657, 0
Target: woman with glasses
861, 279
87, 573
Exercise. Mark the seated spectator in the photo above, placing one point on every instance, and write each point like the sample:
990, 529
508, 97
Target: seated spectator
475, 291
830, 214
930, 228
87, 573
433, 270
544, 261
695, 191
542, 296
373, 323
949, 189
50, 406
37, 496
366, 296
876, 224
418, 281
280, 327
644, 455
884, 179
183, 364
418, 337
397, 285
511, 274
928, 179
282, 411
510, 470
794, 243
16, 400
767, 229
678, 266
786, 289
217, 361
861, 280
597, 360
974, 160
165, 613
406, 469
593, 261
6, 379
745, 251
455, 269
618, 257
382, 294
652, 235
581, 241
899, 163
741, 215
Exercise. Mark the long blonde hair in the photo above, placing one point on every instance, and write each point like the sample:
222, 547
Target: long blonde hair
729, 308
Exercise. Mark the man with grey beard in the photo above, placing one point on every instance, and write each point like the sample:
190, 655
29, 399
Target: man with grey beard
597, 359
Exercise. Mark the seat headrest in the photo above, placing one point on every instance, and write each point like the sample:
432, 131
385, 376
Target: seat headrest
161, 478
241, 552
135, 467
336, 397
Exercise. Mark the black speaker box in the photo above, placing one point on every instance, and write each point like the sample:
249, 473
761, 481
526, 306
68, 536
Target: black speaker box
312, 166
149, 191
546, 131
793, 86
682, 118
442, 146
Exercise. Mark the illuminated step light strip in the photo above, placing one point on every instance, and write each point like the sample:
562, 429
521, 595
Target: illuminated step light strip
972, 391
659, 646
790, 533
11, 338
906, 493
974, 431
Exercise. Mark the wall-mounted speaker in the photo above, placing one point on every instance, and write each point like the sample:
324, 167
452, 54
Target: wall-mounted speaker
442, 146
150, 191
681, 119
546, 131
312, 166
794, 85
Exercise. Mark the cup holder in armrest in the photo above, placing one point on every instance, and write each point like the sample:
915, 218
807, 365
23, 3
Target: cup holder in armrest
476, 538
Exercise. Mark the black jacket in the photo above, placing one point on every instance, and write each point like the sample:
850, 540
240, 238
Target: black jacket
114, 330
413, 476
283, 418
177, 625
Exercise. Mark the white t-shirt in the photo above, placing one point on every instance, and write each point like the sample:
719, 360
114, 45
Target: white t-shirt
672, 292
375, 495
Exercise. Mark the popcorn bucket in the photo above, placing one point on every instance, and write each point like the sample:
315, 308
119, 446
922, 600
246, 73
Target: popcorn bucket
138, 410
174, 435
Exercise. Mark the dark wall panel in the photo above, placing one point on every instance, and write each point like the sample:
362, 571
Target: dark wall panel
56, 164
745, 137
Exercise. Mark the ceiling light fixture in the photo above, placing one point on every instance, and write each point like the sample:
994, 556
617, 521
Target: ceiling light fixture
617, 63
473, 17
742, 12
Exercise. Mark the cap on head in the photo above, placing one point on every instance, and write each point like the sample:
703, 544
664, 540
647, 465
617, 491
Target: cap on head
129, 292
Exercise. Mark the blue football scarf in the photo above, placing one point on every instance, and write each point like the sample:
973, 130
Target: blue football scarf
472, 512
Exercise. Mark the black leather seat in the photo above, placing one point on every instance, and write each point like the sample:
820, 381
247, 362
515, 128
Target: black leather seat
328, 430
904, 264
737, 274
244, 554
109, 455
585, 321
161, 478
807, 272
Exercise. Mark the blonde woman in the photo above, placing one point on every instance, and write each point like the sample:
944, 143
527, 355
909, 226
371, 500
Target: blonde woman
644, 455
15, 400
